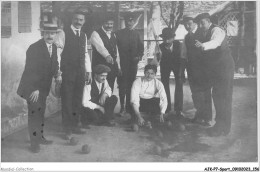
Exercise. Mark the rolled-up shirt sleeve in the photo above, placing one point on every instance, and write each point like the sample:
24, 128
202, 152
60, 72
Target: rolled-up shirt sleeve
97, 42
183, 50
87, 58
162, 96
87, 97
135, 98
217, 37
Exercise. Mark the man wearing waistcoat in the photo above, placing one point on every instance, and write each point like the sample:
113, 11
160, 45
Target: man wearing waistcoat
105, 50
76, 71
98, 100
40, 67
131, 50
219, 66
199, 83
171, 61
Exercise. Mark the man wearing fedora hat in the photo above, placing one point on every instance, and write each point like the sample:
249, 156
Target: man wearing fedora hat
76, 72
131, 50
171, 61
219, 65
98, 100
40, 67
105, 49
198, 81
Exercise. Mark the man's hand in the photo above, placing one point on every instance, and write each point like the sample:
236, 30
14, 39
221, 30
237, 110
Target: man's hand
101, 109
103, 98
119, 72
34, 96
162, 117
58, 80
198, 44
109, 59
141, 121
88, 78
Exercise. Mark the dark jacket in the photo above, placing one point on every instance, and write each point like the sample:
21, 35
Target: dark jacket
39, 70
73, 56
129, 46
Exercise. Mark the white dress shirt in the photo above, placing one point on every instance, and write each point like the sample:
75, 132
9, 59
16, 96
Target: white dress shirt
97, 42
217, 37
49, 47
87, 94
145, 89
183, 44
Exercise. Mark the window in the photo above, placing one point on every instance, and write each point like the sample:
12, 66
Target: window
6, 19
24, 17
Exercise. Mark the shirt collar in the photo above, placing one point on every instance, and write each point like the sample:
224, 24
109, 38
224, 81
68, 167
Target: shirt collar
48, 45
107, 32
74, 29
195, 29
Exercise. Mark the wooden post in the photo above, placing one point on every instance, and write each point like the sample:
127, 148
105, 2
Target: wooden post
145, 29
117, 16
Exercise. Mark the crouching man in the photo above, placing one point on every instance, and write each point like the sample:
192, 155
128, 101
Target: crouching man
148, 95
98, 100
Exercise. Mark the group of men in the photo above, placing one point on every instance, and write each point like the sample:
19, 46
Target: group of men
87, 84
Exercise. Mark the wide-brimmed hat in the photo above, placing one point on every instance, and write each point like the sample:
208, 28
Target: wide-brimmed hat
202, 16
100, 68
50, 27
167, 33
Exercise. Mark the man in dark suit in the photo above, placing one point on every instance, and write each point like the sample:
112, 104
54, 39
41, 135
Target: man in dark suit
171, 62
219, 66
76, 71
40, 67
105, 50
198, 81
131, 50
98, 100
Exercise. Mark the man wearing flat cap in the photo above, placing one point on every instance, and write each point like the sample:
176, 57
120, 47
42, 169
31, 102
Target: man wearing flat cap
76, 72
105, 49
40, 67
98, 100
131, 50
198, 81
171, 62
219, 65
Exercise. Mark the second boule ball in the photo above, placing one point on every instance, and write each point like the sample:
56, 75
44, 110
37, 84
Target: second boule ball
135, 127
181, 127
85, 149
157, 150
169, 124
74, 141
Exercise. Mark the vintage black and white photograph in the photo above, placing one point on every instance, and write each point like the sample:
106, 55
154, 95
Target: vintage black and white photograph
129, 81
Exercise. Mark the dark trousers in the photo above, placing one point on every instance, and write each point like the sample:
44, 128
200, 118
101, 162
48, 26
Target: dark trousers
71, 101
111, 77
125, 82
166, 68
96, 116
150, 106
36, 112
222, 90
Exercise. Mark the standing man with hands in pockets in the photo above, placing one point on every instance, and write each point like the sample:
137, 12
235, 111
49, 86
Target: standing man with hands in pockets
76, 72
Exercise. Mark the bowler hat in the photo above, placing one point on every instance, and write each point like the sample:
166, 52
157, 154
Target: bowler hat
167, 33
50, 27
202, 16
100, 68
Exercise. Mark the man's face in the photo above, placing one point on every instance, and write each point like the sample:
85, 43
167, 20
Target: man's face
204, 24
101, 78
78, 20
149, 74
190, 25
108, 25
49, 36
130, 23
168, 41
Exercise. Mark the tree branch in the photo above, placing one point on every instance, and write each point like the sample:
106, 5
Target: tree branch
164, 19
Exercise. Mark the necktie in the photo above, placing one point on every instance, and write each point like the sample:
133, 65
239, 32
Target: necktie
77, 33
50, 50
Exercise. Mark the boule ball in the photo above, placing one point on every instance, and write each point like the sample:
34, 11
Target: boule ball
149, 124
157, 150
160, 134
85, 149
181, 127
135, 127
169, 124
74, 141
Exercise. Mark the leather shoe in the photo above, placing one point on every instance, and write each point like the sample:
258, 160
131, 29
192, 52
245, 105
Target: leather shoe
35, 148
67, 136
44, 141
110, 123
78, 131
216, 132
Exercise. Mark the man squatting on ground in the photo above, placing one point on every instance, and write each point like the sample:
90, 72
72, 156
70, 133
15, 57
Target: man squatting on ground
148, 95
98, 100
40, 67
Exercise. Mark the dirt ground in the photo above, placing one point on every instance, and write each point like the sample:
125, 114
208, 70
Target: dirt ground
120, 144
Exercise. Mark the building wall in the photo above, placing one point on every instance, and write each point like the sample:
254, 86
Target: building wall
13, 55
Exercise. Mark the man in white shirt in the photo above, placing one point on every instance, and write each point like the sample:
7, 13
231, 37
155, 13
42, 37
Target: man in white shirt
219, 65
105, 49
198, 81
98, 100
148, 95
76, 71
